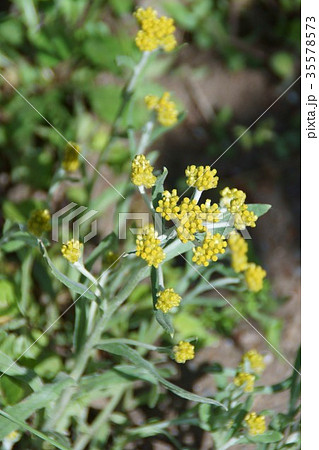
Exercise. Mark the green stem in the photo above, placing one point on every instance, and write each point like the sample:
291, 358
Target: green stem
100, 421
126, 96
83, 357
160, 277
146, 199
145, 138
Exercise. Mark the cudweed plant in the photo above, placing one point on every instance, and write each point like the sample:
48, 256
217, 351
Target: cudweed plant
51, 399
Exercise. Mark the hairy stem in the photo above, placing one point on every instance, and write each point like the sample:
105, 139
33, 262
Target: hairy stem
82, 441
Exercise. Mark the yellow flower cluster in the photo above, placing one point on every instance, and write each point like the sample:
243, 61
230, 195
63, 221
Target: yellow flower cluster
239, 249
72, 250
252, 363
39, 222
245, 379
245, 218
255, 361
142, 172
234, 201
148, 246
167, 299
254, 276
209, 212
71, 161
202, 178
188, 220
212, 245
156, 32
167, 113
256, 424
167, 206
183, 352
188, 216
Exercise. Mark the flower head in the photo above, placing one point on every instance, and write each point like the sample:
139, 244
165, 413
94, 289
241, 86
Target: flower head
255, 361
166, 110
167, 299
72, 250
188, 220
209, 212
232, 199
183, 352
142, 172
71, 161
202, 178
245, 379
148, 246
244, 218
254, 276
156, 32
212, 245
39, 221
167, 206
256, 424
239, 249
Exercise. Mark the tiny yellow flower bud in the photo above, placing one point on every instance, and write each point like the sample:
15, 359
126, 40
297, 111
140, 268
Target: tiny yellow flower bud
167, 113
148, 246
156, 32
255, 360
244, 218
254, 276
71, 161
256, 424
239, 249
202, 178
39, 222
167, 299
212, 245
189, 220
167, 206
72, 250
183, 352
245, 379
232, 199
142, 172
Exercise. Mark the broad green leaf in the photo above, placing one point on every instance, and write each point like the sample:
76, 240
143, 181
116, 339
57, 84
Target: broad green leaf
13, 369
80, 325
266, 438
74, 286
165, 320
13, 390
136, 358
258, 208
32, 403
13, 241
